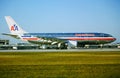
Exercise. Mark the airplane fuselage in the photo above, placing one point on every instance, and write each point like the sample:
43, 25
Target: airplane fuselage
86, 38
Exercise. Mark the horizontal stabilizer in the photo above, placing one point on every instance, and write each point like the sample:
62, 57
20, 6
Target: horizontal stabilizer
15, 36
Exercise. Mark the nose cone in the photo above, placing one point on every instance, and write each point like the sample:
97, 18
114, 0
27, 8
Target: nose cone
113, 39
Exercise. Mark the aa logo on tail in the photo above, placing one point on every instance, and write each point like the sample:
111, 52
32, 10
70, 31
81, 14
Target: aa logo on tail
14, 28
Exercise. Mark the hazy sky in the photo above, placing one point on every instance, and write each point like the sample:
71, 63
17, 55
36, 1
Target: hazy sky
62, 16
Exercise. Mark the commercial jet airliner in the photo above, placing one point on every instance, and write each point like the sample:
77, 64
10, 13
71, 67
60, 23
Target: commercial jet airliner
62, 40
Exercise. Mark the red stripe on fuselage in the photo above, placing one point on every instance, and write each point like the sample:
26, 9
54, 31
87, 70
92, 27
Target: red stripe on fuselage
31, 39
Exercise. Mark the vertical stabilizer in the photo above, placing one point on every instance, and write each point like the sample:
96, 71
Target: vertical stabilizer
14, 28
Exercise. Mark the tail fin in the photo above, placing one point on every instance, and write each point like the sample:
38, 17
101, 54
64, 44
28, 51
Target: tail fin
13, 26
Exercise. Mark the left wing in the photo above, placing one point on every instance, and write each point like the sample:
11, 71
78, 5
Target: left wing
52, 40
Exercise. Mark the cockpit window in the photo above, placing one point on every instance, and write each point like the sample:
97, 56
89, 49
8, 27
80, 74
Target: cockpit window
107, 35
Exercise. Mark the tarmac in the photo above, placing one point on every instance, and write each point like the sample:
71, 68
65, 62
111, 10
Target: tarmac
63, 50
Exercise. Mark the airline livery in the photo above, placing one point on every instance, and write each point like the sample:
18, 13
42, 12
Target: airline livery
62, 40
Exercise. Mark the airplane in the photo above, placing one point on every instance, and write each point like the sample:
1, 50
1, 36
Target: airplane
61, 40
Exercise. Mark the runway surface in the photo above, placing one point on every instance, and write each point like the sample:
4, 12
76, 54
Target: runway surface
56, 50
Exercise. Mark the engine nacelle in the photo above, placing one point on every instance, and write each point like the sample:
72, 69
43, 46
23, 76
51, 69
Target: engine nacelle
62, 45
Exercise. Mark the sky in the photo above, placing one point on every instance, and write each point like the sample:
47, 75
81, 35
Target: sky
62, 16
